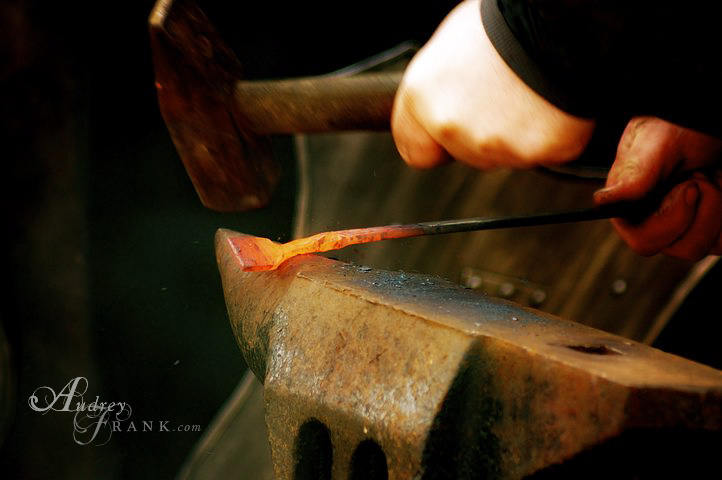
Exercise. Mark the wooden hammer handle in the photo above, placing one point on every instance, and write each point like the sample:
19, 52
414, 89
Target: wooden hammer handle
315, 104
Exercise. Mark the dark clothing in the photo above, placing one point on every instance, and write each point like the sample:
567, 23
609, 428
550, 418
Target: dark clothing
606, 58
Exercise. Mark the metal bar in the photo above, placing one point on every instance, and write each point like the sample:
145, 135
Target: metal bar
545, 218
259, 253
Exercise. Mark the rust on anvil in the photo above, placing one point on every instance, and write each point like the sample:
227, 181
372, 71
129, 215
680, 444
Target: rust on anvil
427, 379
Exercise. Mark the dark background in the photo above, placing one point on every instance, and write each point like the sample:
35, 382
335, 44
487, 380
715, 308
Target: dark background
108, 252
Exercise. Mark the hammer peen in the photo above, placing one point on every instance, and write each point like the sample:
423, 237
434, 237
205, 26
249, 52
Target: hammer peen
220, 124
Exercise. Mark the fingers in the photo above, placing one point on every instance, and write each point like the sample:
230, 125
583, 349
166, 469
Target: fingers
647, 152
665, 226
703, 235
429, 115
416, 147
688, 223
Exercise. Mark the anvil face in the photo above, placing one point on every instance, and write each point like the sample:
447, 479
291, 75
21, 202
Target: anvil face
420, 371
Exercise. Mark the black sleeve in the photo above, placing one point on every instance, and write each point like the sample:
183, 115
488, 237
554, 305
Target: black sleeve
601, 58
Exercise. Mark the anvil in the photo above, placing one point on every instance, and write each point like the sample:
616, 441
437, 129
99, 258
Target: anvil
369, 371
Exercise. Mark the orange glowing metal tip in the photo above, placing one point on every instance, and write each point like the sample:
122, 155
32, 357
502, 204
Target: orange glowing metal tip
258, 253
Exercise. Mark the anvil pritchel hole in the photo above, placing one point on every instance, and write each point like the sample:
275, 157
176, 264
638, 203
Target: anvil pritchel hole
592, 349
313, 452
368, 462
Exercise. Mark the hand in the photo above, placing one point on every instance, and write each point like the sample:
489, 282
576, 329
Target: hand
688, 224
458, 97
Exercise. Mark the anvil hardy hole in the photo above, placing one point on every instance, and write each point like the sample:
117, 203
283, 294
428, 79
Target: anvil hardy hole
369, 462
313, 452
594, 349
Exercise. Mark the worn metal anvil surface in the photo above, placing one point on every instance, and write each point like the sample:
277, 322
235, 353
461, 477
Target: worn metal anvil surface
387, 373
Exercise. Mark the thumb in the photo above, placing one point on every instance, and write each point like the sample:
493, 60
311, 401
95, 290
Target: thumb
648, 150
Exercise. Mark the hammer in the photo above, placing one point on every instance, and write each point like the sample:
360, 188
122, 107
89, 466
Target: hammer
221, 124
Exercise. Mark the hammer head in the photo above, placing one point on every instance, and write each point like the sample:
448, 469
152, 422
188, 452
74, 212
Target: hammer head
195, 73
